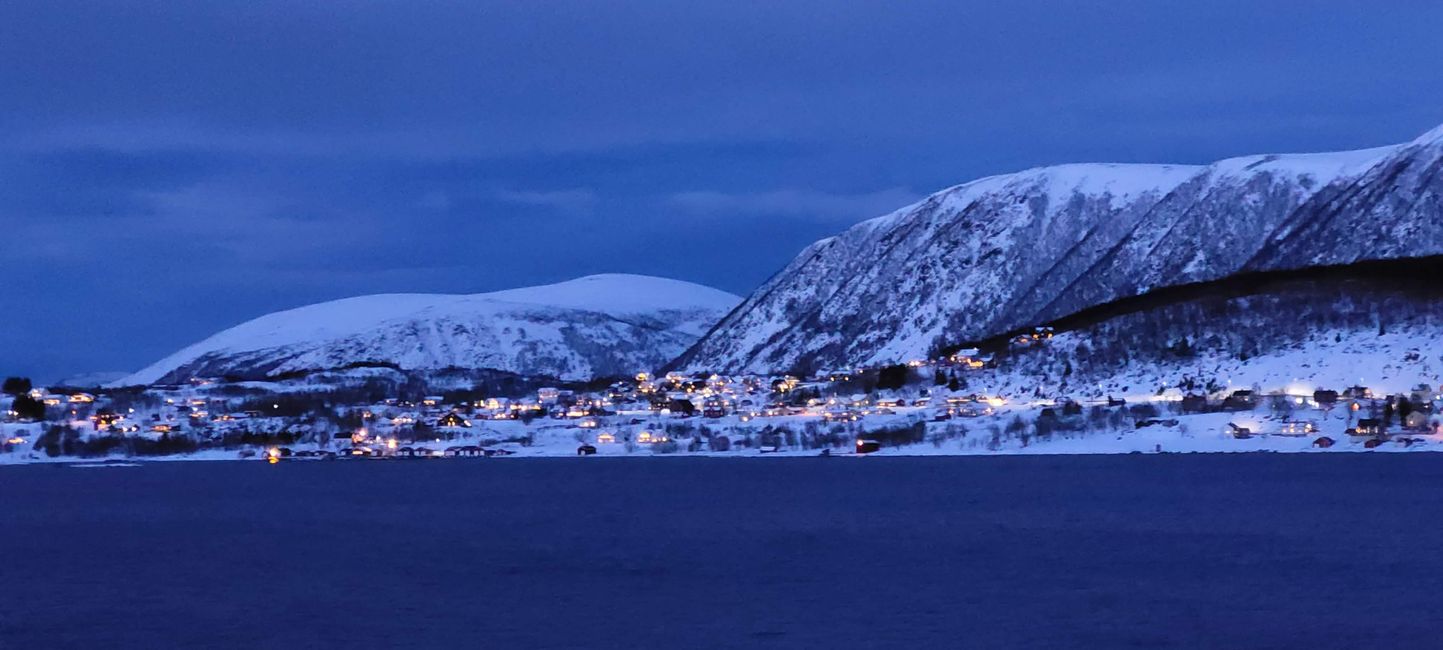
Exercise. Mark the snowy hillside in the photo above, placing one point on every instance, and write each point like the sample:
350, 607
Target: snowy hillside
592, 326
1373, 329
1006, 252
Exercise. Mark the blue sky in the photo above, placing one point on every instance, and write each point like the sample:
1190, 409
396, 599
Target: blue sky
169, 169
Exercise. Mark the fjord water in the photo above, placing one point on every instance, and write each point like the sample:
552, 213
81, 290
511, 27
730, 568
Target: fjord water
1242, 551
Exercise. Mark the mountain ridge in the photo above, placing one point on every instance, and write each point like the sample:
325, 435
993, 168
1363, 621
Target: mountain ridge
988, 256
595, 325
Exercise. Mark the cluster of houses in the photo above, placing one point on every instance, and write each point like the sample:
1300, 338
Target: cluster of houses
635, 411
1370, 417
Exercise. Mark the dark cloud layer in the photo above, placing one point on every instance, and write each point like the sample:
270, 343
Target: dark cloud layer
168, 169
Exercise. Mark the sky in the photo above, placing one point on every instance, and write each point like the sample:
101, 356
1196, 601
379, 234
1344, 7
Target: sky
169, 169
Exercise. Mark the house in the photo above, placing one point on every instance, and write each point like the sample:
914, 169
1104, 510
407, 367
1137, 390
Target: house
1416, 421
1241, 400
1298, 428
605, 439
104, 418
977, 410
585, 450
1358, 392
1241, 433
1367, 427
453, 420
1194, 403
865, 446
1325, 398
548, 395
1323, 442
969, 358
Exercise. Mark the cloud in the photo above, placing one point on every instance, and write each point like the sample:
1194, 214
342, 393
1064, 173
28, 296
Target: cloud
801, 203
578, 201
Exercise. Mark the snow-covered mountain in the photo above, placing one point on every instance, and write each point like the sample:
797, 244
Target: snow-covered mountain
599, 325
993, 255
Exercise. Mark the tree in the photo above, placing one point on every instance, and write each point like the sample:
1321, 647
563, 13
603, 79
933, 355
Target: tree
28, 408
58, 441
954, 384
892, 377
939, 378
16, 385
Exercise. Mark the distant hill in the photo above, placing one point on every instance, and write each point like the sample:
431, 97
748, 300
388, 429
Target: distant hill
598, 325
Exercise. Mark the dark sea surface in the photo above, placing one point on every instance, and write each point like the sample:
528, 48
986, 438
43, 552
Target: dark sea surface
1159, 551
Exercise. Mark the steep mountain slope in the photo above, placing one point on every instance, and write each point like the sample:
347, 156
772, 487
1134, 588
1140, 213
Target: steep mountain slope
1393, 210
593, 326
1005, 252
888, 287
1207, 227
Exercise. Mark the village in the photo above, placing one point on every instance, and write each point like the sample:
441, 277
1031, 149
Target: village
922, 407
